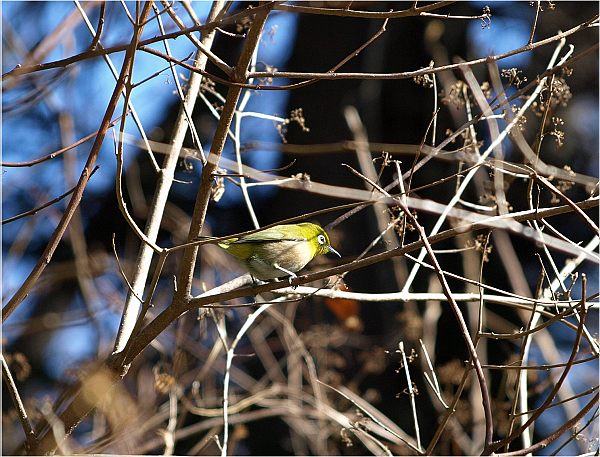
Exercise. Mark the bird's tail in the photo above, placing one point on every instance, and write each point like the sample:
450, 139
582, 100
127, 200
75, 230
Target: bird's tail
221, 243
204, 238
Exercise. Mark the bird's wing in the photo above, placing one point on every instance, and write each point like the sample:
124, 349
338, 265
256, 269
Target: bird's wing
270, 234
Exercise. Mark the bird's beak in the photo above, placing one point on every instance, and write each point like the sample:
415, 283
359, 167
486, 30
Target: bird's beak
335, 252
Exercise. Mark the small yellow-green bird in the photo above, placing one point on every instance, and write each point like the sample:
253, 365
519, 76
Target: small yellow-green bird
279, 251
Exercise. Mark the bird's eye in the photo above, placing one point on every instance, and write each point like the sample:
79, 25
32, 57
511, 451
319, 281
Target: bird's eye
321, 239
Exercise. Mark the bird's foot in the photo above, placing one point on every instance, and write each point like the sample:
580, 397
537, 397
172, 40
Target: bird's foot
291, 278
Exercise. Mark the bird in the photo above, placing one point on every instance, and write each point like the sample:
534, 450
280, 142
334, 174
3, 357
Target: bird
279, 251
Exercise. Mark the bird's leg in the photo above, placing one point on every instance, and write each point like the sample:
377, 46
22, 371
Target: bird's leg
291, 274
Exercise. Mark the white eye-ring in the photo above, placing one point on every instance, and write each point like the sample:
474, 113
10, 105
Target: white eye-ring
321, 239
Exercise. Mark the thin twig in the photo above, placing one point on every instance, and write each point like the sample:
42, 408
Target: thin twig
556, 434
100, 27
556, 387
230, 355
113, 70
375, 419
37, 209
569, 202
538, 7
433, 384
236, 144
121, 201
58, 152
191, 126
346, 12
215, 59
411, 393
31, 439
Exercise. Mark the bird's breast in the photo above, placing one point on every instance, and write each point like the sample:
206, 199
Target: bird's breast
290, 255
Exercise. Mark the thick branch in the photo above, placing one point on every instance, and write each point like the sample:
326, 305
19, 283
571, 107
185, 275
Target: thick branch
218, 143
165, 179
48, 442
